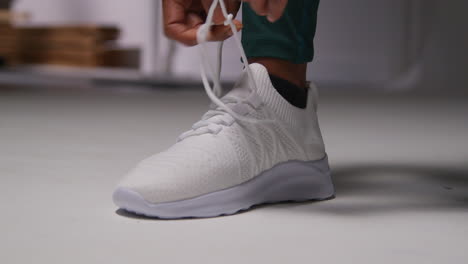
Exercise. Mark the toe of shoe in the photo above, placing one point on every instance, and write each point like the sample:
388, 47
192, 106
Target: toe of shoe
128, 199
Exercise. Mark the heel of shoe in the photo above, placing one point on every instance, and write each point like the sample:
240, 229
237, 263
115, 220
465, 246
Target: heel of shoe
301, 181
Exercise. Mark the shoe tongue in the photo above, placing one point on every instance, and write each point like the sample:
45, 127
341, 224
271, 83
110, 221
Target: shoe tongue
266, 93
243, 87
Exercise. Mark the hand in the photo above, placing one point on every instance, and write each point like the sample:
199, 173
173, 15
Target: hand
182, 18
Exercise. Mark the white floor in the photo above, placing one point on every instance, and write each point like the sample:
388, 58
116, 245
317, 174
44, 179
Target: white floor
400, 166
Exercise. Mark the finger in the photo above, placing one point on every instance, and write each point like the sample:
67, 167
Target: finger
276, 9
217, 33
233, 6
259, 6
182, 25
179, 24
221, 32
186, 33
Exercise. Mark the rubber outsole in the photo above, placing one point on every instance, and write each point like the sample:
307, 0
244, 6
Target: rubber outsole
292, 181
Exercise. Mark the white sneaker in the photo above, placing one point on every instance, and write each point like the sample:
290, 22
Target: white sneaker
225, 165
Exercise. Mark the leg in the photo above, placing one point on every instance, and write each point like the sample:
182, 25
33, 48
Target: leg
286, 46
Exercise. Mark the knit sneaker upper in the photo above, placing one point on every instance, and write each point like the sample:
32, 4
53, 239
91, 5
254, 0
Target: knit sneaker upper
220, 151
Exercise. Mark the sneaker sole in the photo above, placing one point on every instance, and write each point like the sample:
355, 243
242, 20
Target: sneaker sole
292, 181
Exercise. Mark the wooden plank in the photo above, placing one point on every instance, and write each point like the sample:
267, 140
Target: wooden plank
99, 33
48, 44
7, 16
103, 58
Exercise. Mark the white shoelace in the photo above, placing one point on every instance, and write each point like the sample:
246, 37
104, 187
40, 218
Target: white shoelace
202, 38
222, 112
223, 115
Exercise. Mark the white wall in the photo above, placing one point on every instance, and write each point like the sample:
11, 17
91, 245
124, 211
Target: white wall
445, 50
360, 40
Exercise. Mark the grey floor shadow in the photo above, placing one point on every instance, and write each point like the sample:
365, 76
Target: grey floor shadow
368, 189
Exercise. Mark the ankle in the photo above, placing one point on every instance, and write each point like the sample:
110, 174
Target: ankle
293, 73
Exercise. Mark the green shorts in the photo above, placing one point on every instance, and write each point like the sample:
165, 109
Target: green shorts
290, 38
